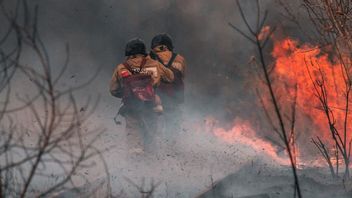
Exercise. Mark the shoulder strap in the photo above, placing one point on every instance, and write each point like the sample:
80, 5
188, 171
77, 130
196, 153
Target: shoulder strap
129, 68
172, 59
144, 61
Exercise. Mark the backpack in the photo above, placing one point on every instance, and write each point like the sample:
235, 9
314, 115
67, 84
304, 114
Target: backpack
138, 86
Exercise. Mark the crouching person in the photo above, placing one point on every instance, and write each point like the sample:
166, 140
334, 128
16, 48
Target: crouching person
134, 81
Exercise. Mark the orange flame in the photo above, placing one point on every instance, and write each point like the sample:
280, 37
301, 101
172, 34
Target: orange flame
243, 133
307, 66
298, 68
264, 33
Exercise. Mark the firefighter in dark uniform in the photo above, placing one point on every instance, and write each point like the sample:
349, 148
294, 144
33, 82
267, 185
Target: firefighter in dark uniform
171, 93
134, 81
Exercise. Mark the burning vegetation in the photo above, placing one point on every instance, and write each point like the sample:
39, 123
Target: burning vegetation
302, 82
307, 74
303, 88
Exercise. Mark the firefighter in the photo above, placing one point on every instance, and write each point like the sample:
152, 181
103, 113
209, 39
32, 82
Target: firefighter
172, 94
134, 81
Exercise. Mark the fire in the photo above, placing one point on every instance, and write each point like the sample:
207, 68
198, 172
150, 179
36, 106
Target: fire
242, 133
306, 65
297, 70
264, 33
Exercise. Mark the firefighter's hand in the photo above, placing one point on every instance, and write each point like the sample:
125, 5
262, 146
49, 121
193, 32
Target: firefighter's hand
177, 66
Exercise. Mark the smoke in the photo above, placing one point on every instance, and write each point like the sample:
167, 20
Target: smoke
217, 79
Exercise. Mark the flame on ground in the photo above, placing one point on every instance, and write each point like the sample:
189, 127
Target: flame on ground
243, 134
297, 70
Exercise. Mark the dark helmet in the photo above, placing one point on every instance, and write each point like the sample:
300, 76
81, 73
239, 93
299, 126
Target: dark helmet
134, 47
162, 39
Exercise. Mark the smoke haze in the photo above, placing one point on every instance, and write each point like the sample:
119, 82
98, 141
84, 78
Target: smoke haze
218, 82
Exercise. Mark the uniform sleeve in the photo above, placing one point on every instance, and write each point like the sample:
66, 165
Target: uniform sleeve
165, 73
115, 83
180, 64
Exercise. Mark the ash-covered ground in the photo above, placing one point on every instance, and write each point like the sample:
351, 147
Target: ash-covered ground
203, 165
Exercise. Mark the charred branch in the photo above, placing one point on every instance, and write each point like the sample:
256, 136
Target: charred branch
57, 138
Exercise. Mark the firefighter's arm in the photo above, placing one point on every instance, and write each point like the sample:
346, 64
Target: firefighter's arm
180, 65
166, 74
115, 83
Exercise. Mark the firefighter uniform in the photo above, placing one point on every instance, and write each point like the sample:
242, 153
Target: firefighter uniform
141, 121
171, 94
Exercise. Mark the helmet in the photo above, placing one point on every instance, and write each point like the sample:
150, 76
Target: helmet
162, 39
134, 47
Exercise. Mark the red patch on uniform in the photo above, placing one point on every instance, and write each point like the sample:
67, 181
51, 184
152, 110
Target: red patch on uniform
125, 74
